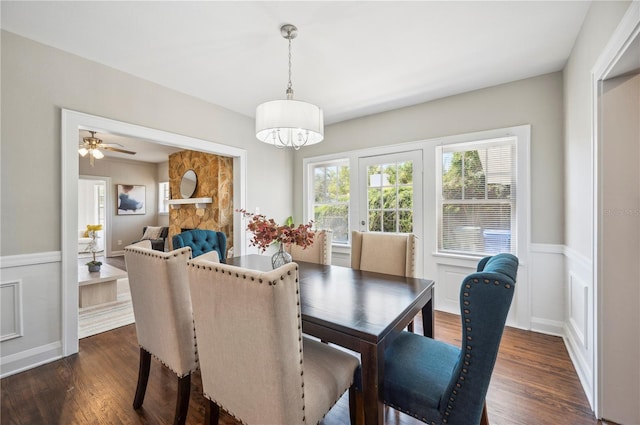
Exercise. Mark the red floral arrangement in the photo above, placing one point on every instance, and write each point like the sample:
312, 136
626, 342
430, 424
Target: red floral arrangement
266, 231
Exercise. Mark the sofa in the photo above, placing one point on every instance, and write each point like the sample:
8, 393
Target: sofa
157, 236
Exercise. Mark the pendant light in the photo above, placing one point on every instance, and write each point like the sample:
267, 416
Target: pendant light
289, 123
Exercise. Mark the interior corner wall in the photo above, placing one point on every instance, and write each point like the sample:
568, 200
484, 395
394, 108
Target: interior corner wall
214, 176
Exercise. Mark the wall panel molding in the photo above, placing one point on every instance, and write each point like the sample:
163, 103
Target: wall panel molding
11, 305
30, 259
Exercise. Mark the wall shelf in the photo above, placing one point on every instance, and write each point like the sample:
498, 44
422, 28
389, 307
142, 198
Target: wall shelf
199, 202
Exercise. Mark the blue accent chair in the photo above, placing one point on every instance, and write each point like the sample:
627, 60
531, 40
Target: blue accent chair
202, 241
438, 383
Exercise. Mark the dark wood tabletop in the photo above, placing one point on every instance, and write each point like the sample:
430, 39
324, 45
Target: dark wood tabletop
362, 311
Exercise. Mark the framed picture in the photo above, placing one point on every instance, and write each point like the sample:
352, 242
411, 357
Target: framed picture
131, 199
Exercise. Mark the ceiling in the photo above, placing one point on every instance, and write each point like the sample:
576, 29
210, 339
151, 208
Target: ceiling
146, 151
351, 58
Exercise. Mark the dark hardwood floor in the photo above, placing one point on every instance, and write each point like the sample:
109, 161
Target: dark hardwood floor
534, 382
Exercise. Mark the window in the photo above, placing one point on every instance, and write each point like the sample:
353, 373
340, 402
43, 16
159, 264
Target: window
100, 197
163, 198
390, 197
477, 197
330, 198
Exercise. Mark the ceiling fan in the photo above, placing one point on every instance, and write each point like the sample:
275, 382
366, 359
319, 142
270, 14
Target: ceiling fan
92, 145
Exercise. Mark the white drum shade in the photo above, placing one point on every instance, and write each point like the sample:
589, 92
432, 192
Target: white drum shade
291, 123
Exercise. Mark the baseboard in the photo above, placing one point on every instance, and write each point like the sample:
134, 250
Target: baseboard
117, 253
28, 359
546, 326
581, 366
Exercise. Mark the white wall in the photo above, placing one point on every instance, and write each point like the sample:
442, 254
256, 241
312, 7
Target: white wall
601, 21
86, 207
37, 82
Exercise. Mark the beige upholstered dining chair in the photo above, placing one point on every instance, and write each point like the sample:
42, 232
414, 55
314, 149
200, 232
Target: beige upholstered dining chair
164, 318
389, 253
319, 252
254, 361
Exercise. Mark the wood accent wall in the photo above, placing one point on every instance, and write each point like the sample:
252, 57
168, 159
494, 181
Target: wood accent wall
215, 180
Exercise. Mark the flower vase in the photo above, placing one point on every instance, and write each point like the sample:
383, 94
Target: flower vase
281, 257
94, 268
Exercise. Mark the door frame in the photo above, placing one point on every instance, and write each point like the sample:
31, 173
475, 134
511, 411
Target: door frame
71, 123
108, 204
418, 191
627, 32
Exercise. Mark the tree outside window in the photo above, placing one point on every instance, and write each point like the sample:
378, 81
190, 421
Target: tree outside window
390, 197
477, 202
331, 198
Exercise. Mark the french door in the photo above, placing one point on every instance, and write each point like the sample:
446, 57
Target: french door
390, 193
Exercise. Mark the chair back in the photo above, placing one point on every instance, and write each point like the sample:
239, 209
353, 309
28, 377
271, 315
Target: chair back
485, 298
248, 326
319, 252
162, 305
201, 241
390, 253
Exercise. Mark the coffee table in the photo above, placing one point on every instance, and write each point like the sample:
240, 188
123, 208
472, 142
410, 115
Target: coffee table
98, 287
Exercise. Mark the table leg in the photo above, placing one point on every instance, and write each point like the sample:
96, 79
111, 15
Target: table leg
427, 318
372, 374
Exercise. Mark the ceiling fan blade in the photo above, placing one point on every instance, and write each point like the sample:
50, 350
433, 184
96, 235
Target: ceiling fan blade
112, 145
117, 150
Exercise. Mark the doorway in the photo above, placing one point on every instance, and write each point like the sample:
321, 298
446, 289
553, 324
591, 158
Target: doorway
616, 136
93, 201
71, 123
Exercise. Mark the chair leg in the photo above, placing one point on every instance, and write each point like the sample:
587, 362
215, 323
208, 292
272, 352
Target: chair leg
182, 404
356, 406
410, 327
143, 378
484, 419
211, 413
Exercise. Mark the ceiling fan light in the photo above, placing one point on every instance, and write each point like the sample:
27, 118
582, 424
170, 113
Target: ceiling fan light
83, 151
97, 154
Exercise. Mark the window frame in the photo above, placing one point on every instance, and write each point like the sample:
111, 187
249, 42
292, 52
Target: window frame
161, 210
309, 206
466, 146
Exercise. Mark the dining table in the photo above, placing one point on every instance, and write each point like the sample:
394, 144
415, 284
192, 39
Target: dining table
359, 310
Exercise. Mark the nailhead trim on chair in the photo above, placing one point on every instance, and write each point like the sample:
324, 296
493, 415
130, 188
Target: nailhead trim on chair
271, 283
163, 256
244, 276
468, 347
467, 360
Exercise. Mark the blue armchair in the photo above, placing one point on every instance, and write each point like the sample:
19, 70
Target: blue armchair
202, 241
438, 383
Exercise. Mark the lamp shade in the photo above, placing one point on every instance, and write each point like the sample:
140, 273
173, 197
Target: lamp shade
289, 123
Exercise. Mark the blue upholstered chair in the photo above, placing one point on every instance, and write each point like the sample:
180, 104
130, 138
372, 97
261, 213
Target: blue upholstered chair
202, 241
438, 383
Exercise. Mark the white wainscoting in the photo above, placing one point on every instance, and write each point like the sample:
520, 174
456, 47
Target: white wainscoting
578, 324
547, 282
11, 310
31, 284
